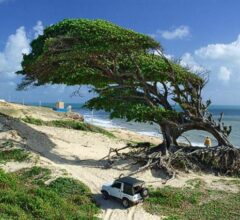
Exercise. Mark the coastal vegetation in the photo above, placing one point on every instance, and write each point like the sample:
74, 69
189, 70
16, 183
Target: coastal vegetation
24, 195
32, 193
69, 124
134, 80
13, 155
8, 152
194, 201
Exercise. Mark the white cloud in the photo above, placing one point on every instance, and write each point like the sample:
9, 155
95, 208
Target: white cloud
223, 60
38, 29
10, 59
168, 56
225, 52
187, 60
17, 44
178, 33
224, 73
59, 88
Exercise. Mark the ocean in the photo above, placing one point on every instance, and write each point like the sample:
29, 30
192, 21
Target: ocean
101, 118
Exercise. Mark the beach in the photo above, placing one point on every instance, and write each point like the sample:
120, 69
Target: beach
80, 154
102, 119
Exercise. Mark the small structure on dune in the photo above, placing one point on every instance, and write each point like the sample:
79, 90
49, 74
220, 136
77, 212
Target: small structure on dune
59, 107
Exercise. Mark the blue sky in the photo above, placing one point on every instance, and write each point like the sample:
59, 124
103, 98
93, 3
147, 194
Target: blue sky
203, 33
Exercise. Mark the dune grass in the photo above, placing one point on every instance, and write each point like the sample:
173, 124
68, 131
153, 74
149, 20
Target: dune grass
13, 155
70, 124
24, 195
194, 201
9, 153
230, 182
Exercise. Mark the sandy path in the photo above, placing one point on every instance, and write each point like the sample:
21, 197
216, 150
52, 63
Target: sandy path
80, 154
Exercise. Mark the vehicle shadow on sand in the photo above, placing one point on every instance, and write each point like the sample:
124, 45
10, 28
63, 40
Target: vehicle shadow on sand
110, 203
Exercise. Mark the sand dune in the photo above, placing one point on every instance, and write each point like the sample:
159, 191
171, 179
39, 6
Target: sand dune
81, 154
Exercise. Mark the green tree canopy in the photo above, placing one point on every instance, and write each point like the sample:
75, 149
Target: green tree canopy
99, 53
78, 52
128, 70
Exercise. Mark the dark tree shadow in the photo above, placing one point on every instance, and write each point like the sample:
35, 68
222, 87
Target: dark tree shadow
40, 143
35, 140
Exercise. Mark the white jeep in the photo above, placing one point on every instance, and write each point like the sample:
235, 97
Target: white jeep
127, 189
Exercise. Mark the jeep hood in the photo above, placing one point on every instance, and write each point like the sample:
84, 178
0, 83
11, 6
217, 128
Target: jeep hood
107, 184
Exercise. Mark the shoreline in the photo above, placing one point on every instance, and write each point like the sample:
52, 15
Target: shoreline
81, 153
109, 124
100, 118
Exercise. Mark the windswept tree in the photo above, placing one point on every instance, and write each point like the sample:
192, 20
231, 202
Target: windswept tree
128, 70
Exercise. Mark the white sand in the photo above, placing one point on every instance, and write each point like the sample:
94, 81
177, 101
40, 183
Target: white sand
80, 154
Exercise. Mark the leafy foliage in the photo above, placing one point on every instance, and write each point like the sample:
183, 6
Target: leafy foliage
129, 72
121, 65
8, 152
194, 201
73, 51
21, 197
13, 155
35, 175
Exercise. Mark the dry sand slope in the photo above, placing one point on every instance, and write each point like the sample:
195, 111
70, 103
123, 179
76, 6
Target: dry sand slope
80, 154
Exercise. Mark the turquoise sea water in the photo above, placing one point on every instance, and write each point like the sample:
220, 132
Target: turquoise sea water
101, 118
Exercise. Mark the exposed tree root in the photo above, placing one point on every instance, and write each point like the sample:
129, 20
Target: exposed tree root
219, 160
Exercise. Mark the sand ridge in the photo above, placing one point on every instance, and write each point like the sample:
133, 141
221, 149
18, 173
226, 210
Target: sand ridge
81, 155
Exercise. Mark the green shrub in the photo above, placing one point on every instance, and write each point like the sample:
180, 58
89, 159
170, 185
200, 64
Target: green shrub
7, 144
67, 187
37, 175
194, 202
34, 121
21, 197
13, 155
7, 181
70, 124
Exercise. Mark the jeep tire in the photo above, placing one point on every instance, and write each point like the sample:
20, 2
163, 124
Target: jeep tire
125, 202
144, 193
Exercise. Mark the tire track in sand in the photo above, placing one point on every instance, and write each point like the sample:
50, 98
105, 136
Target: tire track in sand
131, 212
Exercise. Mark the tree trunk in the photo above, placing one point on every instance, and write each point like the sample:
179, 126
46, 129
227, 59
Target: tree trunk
221, 138
171, 132
169, 135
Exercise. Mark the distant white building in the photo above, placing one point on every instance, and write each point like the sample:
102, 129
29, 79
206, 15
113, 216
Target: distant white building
2, 100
